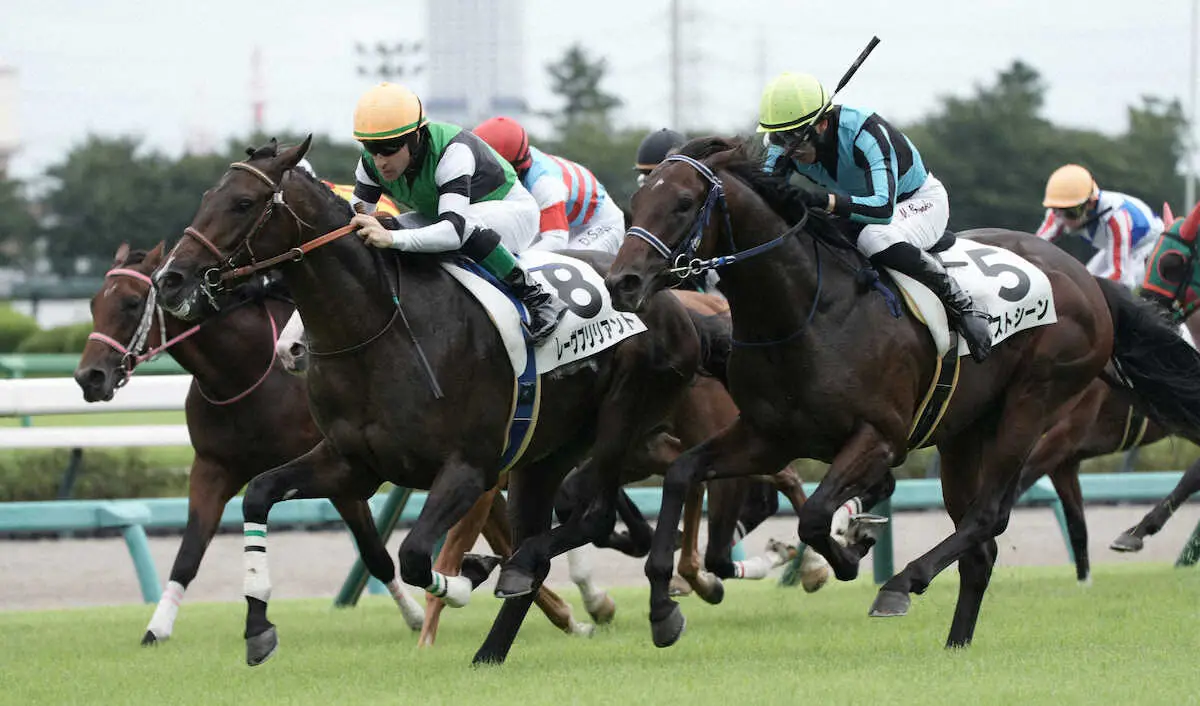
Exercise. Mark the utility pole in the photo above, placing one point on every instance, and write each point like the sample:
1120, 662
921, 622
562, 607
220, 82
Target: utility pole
676, 59
258, 100
1189, 194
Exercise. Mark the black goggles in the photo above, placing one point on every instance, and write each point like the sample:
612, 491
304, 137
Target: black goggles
791, 139
385, 148
1074, 212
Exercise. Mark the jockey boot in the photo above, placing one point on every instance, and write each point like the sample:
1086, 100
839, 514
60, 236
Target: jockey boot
970, 321
545, 309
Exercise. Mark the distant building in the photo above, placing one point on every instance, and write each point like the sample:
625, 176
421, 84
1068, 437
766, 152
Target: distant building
8, 115
476, 56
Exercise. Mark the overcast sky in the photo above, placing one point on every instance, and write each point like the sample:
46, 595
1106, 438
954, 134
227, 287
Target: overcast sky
176, 73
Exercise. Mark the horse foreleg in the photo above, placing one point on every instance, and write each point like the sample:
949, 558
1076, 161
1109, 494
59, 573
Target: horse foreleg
498, 533
813, 569
210, 486
531, 492
320, 473
357, 514
1066, 483
459, 541
862, 466
737, 451
1131, 539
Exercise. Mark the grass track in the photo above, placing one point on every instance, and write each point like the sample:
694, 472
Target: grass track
1130, 638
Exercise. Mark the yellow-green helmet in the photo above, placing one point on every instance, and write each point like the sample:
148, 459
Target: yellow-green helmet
790, 101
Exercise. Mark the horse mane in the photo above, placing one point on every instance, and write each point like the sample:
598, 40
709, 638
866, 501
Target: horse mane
744, 159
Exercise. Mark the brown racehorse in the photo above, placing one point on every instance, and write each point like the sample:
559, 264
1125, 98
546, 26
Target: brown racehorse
245, 414
704, 411
825, 371
1103, 420
410, 382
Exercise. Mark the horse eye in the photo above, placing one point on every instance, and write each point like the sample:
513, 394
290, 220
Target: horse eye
684, 205
242, 205
131, 304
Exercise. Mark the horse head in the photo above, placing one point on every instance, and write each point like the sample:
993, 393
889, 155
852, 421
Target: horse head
252, 214
123, 323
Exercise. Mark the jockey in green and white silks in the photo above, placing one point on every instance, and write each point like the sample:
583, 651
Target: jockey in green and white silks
868, 172
464, 197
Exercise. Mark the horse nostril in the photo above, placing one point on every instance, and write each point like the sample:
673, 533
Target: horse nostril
90, 378
628, 283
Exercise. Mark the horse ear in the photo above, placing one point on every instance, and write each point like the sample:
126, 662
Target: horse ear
1168, 216
292, 155
1187, 232
250, 151
122, 255
155, 256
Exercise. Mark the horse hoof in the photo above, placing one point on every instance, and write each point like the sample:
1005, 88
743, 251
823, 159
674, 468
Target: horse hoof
678, 587
487, 659
514, 582
666, 632
1127, 542
149, 639
603, 611
890, 604
715, 593
578, 629
477, 568
260, 647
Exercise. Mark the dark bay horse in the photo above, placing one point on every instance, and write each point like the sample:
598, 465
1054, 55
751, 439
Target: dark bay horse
821, 369
245, 414
410, 382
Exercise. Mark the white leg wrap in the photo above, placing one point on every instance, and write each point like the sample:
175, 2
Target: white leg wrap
755, 568
454, 590
412, 611
841, 519
163, 620
257, 583
579, 564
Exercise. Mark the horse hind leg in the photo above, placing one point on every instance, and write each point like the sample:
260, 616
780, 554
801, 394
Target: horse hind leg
1131, 539
210, 486
459, 541
357, 516
804, 563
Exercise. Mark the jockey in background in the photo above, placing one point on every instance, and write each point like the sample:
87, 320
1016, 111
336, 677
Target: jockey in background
1121, 228
576, 211
654, 149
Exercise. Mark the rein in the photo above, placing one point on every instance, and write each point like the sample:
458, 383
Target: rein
216, 277
138, 350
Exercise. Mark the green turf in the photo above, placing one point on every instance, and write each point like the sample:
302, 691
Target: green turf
1129, 638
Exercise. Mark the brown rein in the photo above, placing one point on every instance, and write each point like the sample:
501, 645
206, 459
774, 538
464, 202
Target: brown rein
292, 255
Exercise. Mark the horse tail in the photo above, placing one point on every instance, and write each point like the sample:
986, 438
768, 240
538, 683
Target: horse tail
1153, 361
716, 341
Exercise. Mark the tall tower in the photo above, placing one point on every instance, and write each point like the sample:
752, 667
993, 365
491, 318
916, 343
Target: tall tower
476, 60
258, 100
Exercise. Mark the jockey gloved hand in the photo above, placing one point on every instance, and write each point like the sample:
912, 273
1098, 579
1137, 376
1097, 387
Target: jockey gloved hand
372, 231
817, 198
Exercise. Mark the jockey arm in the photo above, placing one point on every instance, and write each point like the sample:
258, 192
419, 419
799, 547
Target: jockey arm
1051, 228
551, 197
453, 179
874, 154
1116, 254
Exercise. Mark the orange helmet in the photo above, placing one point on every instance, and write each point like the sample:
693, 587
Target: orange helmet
508, 138
1069, 186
